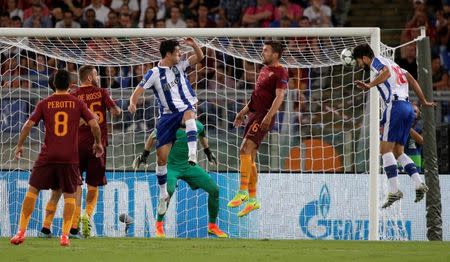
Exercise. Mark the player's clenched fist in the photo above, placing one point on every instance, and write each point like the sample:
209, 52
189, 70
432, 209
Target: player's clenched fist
132, 108
97, 149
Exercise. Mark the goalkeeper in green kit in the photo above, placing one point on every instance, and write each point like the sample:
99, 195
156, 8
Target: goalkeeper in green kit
179, 168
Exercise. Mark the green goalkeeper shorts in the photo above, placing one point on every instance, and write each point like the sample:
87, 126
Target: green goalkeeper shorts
195, 176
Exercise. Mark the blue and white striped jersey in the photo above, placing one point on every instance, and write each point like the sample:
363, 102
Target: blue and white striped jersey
395, 85
171, 87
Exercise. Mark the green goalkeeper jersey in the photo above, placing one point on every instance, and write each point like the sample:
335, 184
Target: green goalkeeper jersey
179, 152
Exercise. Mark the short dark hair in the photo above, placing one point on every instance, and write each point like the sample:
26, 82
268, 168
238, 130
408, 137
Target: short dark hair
168, 46
84, 71
62, 79
363, 50
68, 11
51, 82
277, 47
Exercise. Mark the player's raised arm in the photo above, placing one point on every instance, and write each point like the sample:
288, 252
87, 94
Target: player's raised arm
198, 55
22, 137
415, 86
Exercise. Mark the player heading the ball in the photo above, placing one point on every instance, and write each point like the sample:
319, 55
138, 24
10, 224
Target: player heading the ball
176, 100
393, 83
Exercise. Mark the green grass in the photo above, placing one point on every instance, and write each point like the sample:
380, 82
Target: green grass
230, 250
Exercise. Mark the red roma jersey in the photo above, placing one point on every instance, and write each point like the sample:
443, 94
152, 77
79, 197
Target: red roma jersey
61, 114
269, 80
98, 101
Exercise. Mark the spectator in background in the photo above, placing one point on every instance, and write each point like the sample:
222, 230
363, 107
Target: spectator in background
408, 60
133, 6
260, 15
203, 21
158, 5
113, 20
10, 72
90, 20
138, 75
175, 20
125, 21
439, 74
39, 74
16, 22
221, 21
212, 5
412, 30
161, 23
190, 22
29, 11
292, 11
37, 19
340, 12
59, 6
110, 80
281, 18
149, 18
101, 11
319, 14
5, 21
233, 10
67, 21
310, 45
13, 10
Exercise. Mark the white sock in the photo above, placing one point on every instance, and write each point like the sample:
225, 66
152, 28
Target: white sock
191, 132
417, 180
163, 191
393, 184
161, 175
192, 148
389, 162
405, 160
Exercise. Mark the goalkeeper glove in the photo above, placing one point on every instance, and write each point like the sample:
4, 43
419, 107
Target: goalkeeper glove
140, 159
210, 155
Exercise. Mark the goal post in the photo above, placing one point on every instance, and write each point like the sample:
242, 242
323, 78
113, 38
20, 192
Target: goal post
337, 115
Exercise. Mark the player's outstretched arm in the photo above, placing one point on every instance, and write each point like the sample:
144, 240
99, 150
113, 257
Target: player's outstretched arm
96, 132
415, 86
198, 53
138, 91
22, 137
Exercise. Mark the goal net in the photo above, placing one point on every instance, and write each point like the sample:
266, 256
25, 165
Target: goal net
318, 167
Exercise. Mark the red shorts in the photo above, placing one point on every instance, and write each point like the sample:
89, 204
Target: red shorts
56, 176
252, 130
95, 167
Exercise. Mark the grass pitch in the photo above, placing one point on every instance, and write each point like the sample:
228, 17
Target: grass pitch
212, 250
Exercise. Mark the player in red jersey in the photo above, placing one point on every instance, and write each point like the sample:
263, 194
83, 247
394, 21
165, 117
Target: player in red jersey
98, 101
57, 163
264, 103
